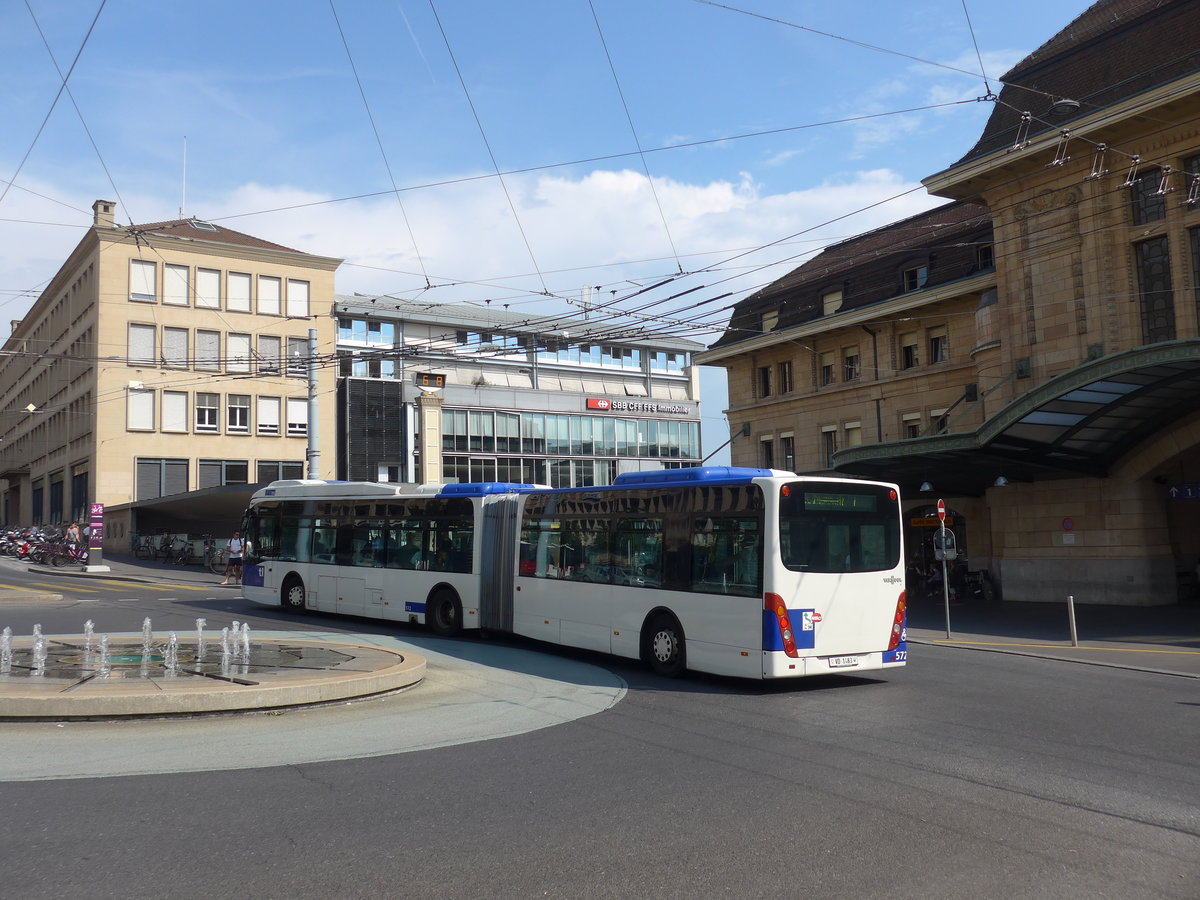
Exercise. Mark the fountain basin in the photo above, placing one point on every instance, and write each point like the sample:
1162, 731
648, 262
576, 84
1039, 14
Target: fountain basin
278, 672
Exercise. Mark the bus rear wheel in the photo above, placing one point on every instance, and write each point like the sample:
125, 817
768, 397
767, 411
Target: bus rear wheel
292, 596
663, 648
443, 613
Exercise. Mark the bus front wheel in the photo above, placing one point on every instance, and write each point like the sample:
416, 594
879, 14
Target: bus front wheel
663, 648
292, 597
443, 613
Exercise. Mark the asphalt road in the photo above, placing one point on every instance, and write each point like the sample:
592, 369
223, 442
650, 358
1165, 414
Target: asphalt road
965, 774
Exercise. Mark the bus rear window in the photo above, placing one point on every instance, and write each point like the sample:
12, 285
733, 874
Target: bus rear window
829, 528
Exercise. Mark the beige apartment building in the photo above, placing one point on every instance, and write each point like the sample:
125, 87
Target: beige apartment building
163, 358
1051, 395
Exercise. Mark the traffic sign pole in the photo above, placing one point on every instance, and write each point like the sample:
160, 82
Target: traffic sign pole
941, 509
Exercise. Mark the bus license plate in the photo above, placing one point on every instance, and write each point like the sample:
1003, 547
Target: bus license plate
842, 662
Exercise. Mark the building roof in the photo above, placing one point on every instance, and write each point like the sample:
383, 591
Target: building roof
194, 229
870, 257
575, 328
1114, 50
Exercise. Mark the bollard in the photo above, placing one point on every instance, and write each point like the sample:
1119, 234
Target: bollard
1071, 619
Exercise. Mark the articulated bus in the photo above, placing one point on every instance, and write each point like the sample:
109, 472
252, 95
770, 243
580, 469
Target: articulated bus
753, 573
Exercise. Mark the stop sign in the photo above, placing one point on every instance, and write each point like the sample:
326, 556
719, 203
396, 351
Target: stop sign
942, 511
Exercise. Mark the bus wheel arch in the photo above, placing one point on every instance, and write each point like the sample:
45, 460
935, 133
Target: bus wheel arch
443, 611
664, 647
292, 595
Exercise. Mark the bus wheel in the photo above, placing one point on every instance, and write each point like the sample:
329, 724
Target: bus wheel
292, 596
663, 647
443, 613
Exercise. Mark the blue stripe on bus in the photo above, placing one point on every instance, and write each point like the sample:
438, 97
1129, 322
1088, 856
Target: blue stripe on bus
414, 607
479, 488
252, 576
806, 637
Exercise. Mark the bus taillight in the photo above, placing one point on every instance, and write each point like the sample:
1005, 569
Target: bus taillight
773, 603
898, 622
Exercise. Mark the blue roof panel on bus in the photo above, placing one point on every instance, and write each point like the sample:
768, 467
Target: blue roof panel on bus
477, 489
697, 475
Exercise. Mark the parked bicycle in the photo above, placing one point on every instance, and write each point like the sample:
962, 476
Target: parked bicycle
64, 554
214, 558
183, 553
143, 546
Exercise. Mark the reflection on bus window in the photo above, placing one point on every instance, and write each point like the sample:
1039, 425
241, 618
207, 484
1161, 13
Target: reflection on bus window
727, 556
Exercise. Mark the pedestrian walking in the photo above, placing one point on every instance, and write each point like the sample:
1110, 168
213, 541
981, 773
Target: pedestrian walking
233, 558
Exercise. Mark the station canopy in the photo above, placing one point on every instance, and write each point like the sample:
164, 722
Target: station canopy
1075, 425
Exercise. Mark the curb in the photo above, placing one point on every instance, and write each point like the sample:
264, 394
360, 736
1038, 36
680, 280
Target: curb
1049, 654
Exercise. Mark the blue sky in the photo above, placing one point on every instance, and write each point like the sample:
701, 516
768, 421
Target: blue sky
728, 104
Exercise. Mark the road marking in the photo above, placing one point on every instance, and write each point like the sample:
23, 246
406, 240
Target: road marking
63, 587
1065, 647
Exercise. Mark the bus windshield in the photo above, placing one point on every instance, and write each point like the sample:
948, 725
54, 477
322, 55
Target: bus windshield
833, 527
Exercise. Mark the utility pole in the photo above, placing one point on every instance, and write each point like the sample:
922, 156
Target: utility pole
314, 452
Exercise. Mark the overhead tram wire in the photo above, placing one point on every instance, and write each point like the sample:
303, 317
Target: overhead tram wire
483, 134
78, 112
62, 87
633, 131
379, 143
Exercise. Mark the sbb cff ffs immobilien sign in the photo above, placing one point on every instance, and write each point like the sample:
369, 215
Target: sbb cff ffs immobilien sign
599, 403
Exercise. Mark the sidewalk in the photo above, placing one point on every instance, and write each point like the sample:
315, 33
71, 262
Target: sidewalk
1164, 639
133, 569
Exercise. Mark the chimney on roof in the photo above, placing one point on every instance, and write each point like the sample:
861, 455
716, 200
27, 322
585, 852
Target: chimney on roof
16, 323
103, 215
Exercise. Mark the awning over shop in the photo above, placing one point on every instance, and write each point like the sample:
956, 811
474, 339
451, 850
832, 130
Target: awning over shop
216, 510
1078, 424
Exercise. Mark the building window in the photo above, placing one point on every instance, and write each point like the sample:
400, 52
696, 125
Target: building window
383, 334
915, 278
853, 433
1154, 281
297, 417
939, 421
767, 453
239, 292
208, 413
783, 373
268, 415
139, 410
911, 425
216, 472
238, 347
831, 302
142, 340
829, 444
269, 349
828, 374
237, 420
787, 452
271, 470
268, 295
297, 299
208, 289
175, 411
208, 350
985, 256
770, 320
161, 478
1147, 204
297, 351
175, 285
142, 279
175, 348
910, 355
939, 346
763, 381
851, 364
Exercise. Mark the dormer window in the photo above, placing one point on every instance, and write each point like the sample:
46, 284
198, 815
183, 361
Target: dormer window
915, 278
769, 321
831, 302
202, 226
